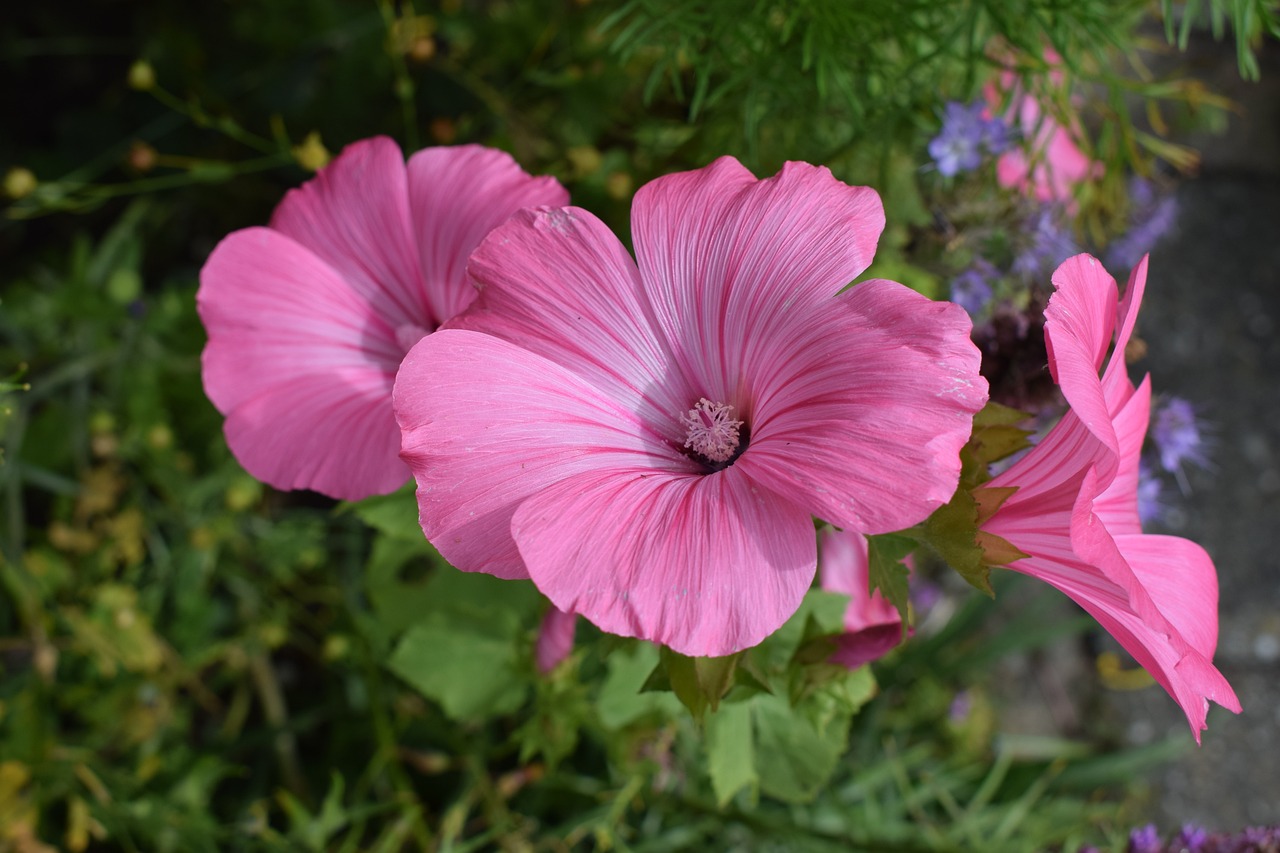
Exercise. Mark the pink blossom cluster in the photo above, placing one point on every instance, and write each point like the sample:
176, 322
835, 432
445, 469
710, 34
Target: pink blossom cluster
650, 439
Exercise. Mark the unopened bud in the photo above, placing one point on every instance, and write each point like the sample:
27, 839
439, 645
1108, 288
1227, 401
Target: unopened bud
142, 76
19, 182
142, 157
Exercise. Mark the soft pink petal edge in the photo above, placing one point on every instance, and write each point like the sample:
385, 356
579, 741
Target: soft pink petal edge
707, 565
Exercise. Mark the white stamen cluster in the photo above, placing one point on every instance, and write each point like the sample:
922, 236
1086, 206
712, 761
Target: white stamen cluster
713, 431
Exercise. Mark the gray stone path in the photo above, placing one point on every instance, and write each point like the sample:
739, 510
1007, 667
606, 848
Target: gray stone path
1211, 320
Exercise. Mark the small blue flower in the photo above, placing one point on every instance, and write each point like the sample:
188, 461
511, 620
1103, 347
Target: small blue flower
1152, 216
1177, 435
1048, 244
971, 289
966, 134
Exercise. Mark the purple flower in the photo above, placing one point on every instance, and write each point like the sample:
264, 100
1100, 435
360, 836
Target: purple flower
960, 707
1152, 216
1176, 432
971, 289
1190, 838
966, 132
1048, 244
1145, 839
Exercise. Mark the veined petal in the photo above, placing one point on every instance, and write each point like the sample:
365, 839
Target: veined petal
560, 284
487, 423
301, 366
860, 416
457, 195
707, 565
355, 216
1117, 506
727, 259
1116, 384
333, 433
1079, 322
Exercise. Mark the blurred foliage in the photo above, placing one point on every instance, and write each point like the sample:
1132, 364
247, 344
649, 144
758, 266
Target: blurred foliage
190, 661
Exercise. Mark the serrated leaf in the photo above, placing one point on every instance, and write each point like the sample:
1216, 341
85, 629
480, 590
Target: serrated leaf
997, 551
731, 760
886, 571
952, 531
995, 436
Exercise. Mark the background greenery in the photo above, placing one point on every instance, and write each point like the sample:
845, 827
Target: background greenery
192, 661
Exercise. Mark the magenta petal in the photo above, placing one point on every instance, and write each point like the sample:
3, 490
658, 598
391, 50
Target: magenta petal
726, 258
486, 424
457, 196
301, 368
707, 565
355, 216
861, 415
555, 638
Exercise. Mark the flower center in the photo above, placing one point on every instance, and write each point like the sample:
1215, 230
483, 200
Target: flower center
713, 431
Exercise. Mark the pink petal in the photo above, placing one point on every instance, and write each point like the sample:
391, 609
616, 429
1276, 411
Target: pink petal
1117, 506
486, 424
355, 216
560, 284
861, 413
707, 565
727, 259
872, 625
301, 366
457, 196
555, 638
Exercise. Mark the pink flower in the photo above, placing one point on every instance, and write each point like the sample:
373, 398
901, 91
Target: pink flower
555, 638
1049, 164
649, 444
1075, 511
872, 625
309, 319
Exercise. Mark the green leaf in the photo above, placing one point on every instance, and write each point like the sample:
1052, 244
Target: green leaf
887, 573
795, 754
473, 674
394, 515
995, 436
621, 700
952, 531
731, 759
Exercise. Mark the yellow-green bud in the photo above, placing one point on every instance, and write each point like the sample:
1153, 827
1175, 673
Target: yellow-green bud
311, 154
142, 76
19, 182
